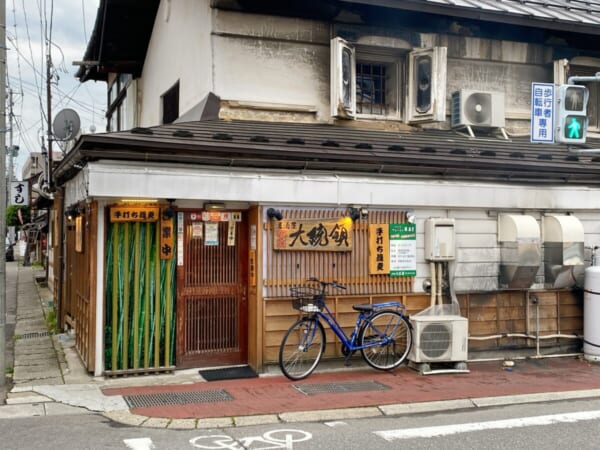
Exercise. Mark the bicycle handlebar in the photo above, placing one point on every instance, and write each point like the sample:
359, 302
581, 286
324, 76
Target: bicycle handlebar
334, 284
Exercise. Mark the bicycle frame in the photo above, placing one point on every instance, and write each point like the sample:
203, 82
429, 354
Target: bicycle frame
349, 342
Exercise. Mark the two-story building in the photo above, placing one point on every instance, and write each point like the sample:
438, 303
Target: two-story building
383, 144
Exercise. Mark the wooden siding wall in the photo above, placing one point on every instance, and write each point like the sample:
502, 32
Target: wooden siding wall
80, 285
489, 314
290, 268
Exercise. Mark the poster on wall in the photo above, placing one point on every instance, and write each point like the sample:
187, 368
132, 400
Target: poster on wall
197, 230
180, 239
231, 233
211, 233
403, 250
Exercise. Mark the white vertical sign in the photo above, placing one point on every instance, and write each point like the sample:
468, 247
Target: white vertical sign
19, 193
542, 112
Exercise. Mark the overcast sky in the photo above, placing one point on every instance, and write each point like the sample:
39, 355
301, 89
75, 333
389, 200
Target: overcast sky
70, 24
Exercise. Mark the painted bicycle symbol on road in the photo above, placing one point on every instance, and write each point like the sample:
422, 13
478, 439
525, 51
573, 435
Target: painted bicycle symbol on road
272, 439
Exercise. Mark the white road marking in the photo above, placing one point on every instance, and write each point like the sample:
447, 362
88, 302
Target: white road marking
445, 430
139, 444
336, 423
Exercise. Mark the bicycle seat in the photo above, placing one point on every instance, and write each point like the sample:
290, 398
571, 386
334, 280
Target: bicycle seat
363, 308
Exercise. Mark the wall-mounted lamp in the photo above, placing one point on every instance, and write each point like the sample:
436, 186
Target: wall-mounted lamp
410, 217
72, 212
273, 213
169, 211
354, 213
214, 206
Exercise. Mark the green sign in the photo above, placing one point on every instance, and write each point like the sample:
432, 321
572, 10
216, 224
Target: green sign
403, 250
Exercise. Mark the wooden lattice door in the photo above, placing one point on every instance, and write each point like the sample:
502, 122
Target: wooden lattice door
212, 290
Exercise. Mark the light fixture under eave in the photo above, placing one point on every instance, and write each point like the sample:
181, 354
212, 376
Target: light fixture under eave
354, 213
273, 213
214, 206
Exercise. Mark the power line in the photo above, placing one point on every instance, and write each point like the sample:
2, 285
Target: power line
39, 95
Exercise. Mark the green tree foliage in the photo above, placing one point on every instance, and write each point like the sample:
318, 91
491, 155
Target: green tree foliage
12, 218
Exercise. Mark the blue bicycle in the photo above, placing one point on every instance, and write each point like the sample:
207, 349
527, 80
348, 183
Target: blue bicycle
382, 333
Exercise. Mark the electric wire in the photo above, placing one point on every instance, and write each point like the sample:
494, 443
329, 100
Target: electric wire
30, 75
37, 83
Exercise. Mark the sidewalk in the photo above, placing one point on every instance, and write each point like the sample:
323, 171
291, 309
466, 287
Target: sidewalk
50, 380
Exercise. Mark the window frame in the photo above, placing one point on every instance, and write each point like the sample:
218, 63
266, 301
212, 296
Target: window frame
163, 98
115, 114
401, 82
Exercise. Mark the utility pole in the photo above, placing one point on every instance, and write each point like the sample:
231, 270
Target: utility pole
11, 148
49, 112
3, 192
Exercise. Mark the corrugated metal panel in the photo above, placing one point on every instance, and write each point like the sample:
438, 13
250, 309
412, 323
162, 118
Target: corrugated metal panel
568, 12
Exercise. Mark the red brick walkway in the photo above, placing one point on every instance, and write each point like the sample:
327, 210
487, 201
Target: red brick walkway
273, 395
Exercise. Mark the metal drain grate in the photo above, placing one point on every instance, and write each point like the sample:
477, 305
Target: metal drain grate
35, 335
333, 388
176, 398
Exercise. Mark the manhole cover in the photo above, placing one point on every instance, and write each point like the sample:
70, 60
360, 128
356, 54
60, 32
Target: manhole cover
348, 386
176, 398
35, 335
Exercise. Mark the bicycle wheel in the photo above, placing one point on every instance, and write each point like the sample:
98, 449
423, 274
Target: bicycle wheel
388, 337
301, 348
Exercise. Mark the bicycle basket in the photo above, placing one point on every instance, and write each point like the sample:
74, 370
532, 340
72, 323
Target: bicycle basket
306, 298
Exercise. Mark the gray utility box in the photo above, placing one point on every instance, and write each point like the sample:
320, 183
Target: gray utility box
563, 250
520, 250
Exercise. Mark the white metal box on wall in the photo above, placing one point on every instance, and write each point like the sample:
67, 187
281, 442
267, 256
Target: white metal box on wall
439, 338
440, 239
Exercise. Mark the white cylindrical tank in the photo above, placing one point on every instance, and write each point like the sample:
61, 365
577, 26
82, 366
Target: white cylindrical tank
591, 314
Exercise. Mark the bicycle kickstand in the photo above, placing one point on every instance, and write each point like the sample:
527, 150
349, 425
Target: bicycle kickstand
347, 362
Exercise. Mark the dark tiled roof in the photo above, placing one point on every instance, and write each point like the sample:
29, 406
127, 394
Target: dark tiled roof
335, 148
555, 14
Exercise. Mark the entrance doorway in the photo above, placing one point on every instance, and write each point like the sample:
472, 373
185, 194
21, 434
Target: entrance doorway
212, 294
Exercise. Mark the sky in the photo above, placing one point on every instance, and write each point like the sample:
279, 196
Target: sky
69, 24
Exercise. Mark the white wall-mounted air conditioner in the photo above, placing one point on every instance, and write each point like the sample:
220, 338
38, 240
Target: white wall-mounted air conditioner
439, 338
477, 109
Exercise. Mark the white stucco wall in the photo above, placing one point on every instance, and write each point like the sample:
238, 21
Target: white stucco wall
180, 49
272, 59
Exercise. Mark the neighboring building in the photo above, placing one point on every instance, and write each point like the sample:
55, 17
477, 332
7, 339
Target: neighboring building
321, 110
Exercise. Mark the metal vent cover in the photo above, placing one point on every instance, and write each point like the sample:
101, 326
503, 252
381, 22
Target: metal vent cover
436, 339
176, 398
34, 335
346, 386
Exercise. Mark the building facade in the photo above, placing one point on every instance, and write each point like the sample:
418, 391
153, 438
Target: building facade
342, 119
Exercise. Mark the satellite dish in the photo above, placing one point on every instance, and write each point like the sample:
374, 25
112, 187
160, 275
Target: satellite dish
66, 124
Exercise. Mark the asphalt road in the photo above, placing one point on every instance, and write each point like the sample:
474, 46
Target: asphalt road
557, 425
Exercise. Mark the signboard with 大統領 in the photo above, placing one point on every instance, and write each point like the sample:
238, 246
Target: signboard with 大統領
313, 234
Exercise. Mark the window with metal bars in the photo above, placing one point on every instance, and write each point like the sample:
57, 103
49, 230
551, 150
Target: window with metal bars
371, 88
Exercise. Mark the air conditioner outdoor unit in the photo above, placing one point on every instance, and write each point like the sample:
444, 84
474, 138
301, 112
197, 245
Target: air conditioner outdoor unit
477, 109
439, 339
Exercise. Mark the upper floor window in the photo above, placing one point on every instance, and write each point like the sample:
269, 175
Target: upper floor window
368, 84
170, 104
116, 114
